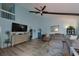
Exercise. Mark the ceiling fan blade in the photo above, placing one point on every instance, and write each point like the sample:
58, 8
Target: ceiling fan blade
43, 7
34, 11
58, 13
37, 9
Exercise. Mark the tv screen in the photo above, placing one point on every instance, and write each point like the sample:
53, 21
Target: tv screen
19, 27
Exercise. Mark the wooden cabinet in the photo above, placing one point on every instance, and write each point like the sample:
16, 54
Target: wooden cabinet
19, 38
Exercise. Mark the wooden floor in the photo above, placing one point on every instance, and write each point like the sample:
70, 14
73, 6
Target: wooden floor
33, 48
22, 49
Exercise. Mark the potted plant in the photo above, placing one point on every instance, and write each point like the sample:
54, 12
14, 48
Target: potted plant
7, 41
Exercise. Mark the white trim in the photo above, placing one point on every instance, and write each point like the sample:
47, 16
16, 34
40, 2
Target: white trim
7, 12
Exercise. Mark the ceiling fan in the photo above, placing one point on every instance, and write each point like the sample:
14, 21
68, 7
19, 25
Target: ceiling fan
41, 11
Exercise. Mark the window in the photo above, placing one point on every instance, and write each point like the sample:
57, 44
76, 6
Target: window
7, 11
0, 6
7, 15
8, 7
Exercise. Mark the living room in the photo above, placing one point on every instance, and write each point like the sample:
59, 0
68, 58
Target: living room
48, 23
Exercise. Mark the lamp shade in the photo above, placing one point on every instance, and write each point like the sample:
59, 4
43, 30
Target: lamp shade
66, 26
56, 30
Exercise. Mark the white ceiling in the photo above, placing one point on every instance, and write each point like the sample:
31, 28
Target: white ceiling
54, 7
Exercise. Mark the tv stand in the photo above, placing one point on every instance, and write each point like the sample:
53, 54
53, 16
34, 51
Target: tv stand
19, 37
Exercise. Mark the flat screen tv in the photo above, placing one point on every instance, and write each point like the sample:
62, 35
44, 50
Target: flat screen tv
19, 27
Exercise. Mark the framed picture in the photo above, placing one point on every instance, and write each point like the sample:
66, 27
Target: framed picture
54, 28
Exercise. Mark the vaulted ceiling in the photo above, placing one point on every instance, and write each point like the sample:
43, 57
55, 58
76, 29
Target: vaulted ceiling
54, 7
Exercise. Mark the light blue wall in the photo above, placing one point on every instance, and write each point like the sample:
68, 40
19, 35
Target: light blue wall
36, 21
5, 26
23, 17
62, 21
0, 34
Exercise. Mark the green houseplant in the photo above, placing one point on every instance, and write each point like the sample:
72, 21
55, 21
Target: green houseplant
70, 30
